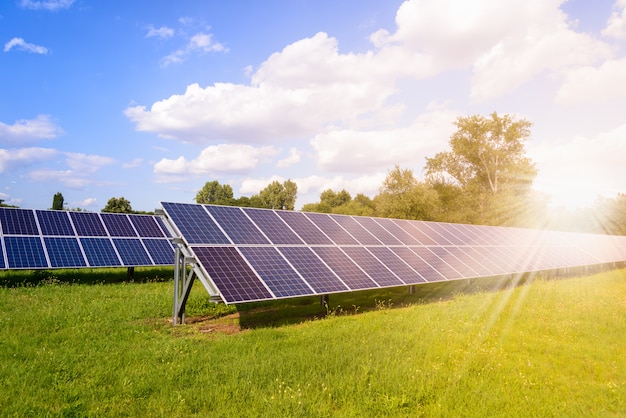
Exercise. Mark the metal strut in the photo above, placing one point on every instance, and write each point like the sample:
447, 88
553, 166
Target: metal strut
183, 282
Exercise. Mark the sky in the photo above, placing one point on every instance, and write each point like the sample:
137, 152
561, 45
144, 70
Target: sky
150, 99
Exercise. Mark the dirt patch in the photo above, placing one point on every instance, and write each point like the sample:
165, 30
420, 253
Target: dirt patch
228, 324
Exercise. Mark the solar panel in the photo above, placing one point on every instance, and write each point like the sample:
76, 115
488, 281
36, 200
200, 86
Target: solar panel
356, 230
305, 229
418, 264
331, 229
378, 231
273, 226
55, 222
18, 222
160, 251
88, 224
195, 224
313, 270
376, 270
100, 252
146, 226
344, 267
237, 225
394, 263
118, 225
132, 252
25, 252
2, 264
64, 252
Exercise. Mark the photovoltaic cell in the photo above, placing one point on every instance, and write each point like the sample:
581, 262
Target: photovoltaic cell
356, 230
237, 225
88, 224
55, 222
345, 268
462, 254
305, 229
372, 266
332, 229
146, 226
317, 275
100, 252
395, 264
437, 263
397, 231
230, 273
420, 233
445, 232
446, 254
64, 252
160, 251
277, 274
418, 264
195, 224
118, 225
132, 252
18, 222
377, 230
273, 227
25, 252
482, 256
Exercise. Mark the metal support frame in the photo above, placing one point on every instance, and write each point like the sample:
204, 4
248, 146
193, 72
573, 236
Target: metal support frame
183, 282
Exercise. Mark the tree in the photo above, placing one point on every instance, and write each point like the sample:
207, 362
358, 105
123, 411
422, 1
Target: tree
276, 196
118, 205
403, 196
487, 162
57, 201
215, 193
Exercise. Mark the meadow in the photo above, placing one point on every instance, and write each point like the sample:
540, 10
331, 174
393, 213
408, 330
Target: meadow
89, 346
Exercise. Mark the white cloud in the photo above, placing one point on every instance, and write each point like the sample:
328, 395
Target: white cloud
345, 150
293, 158
50, 5
82, 164
134, 163
576, 170
68, 178
223, 158
594, 85
200, 42
22, 45
11, 159
163, 32
616, 25
89, 201
28, 131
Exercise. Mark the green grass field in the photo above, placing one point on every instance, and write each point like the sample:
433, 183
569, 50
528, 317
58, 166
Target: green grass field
547, 348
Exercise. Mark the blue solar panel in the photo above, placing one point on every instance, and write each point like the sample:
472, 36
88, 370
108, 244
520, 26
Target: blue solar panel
356, 230
437, 263
195, 224
397, 231
118, 225
100, 252
64, 252
160, 251
146, 226
446, 255
345, 268
481, 254
88, 224
302, 226
230, 273
55, 222
18, 222
2, 264
25, 253
237, 226
320, 277
273, 226
461, 254
279, 276
418, 264
376, 229
401, 269
131, 252
441, 233
372, 266
332, 229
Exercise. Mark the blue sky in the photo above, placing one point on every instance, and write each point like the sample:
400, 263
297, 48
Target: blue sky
151, 99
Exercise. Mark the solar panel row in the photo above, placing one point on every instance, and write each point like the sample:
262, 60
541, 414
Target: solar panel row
33, 239
258, 254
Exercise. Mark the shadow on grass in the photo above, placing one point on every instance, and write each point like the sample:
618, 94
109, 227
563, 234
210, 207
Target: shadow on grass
17, 278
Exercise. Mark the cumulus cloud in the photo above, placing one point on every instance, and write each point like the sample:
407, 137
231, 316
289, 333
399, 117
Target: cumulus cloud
87, 163
293, 158
616, 25
136, 162
20, 44
346, 150
162, 33
50, 5
591, 85
29, 131
11, 159
200, 42
223, 158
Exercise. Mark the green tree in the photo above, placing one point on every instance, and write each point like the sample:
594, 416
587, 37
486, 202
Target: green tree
216, 194
487, 162
276, 196
118, 205
403, 196
361, 205
58, 201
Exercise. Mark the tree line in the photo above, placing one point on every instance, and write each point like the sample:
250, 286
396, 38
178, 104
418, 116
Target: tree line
483, 178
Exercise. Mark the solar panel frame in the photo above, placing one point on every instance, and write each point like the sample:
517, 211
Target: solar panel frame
346, 269
25, 252
64, 252
304, 228
118, 225
273, 226
55, 223
88, 224
16, 221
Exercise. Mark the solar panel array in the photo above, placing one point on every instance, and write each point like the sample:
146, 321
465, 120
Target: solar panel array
260, 254
38, 239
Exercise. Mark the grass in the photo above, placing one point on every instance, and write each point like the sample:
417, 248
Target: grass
546, 348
